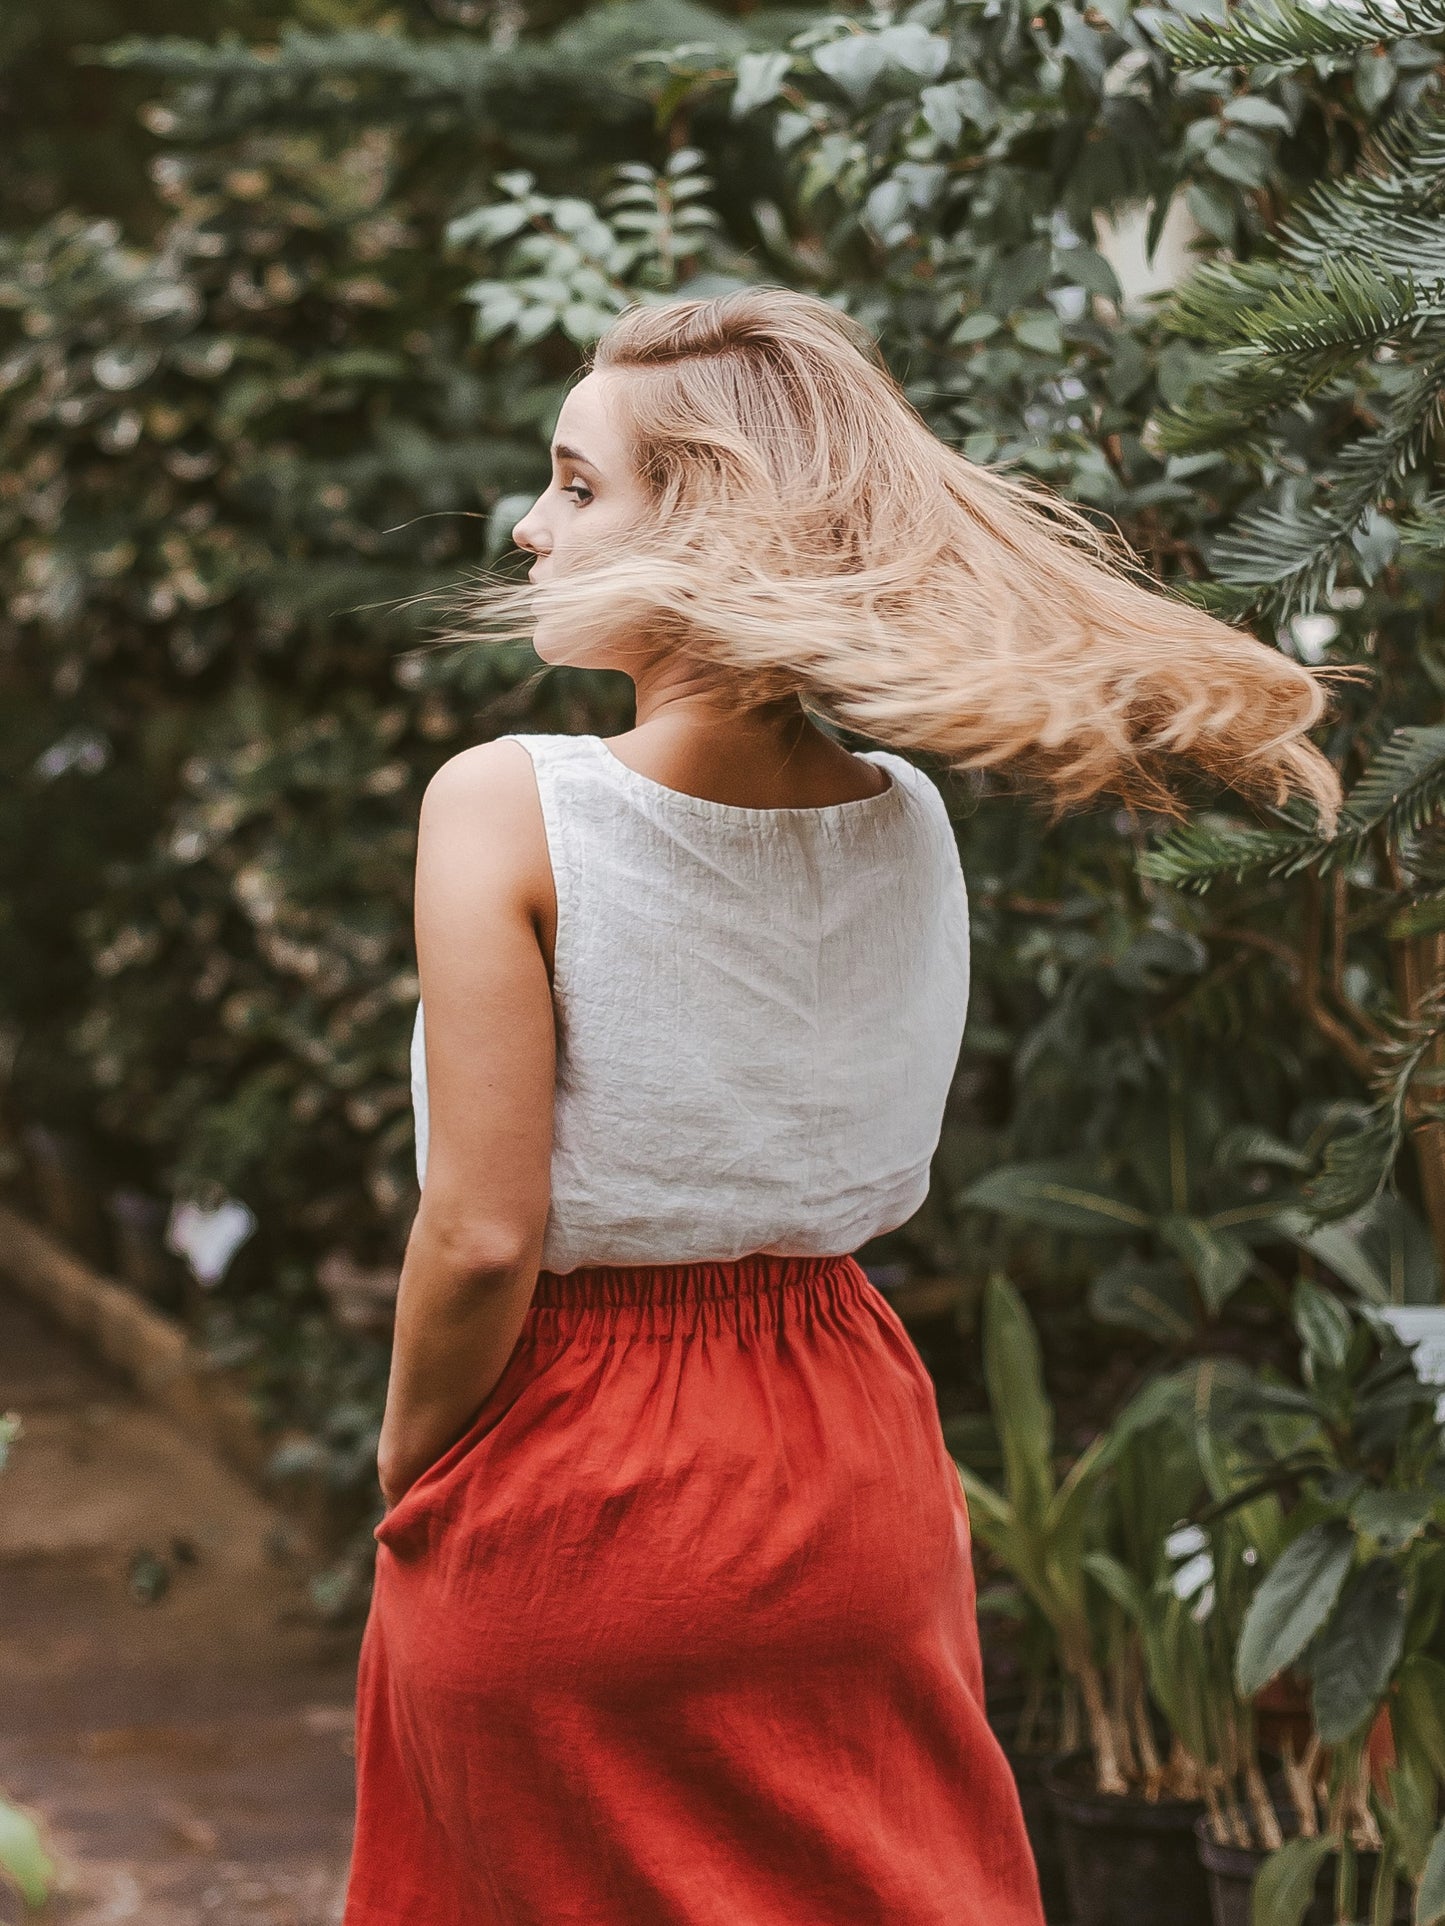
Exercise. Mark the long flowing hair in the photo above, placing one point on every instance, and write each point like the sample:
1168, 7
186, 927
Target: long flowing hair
809, 535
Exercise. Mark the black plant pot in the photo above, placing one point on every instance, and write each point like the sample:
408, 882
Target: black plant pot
1005, 1712
1029, 1770
1231, 1870
1126, 1862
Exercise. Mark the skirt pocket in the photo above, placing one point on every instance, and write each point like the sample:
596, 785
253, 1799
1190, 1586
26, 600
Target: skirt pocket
421, 1495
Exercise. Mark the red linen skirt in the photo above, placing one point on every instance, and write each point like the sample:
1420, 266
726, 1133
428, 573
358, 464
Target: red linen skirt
681, 1632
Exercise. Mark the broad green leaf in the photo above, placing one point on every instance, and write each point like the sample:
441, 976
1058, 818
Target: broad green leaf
1218, 1260
1358, 1650
1056, 1195
1172, 1397
1119, 1583
857, 60
1285, 1883
1293, 1601
1022, 1414
1430, 1898
1408, 1811
23, 1857
1340, 1249
760, 80
989, 1514
1418, 1708
1324, 1325
1394, 1518
978, 326
1039, 329
1248, 110
1152, 1298
948, 108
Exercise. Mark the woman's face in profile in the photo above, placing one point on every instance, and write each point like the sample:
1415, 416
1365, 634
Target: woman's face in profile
593, 496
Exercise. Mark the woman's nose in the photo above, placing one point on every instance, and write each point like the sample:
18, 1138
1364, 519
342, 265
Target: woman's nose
526, 534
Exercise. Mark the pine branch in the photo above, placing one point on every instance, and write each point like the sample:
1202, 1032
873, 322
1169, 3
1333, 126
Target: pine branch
1200, 854
1213, 304
1286, 559
1358, 1164
1401, 791
1422, 531
1390, 209
1287, 33
1344, 304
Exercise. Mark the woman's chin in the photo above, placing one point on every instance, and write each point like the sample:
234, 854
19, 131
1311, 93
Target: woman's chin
561, 651
555, 653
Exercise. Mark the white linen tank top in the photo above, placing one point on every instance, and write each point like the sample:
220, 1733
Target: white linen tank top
759, 1013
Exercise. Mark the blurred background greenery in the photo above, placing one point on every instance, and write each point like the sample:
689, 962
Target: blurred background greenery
289, 294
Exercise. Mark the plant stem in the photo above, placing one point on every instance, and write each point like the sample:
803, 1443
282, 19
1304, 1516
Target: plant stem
1149, 1761
1382, 1899
1261, 1806
1299, 1775
1212, 1807
1107, 1773
1119, 1693
1070, 1732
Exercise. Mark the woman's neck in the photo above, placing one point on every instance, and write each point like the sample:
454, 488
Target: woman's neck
770, 756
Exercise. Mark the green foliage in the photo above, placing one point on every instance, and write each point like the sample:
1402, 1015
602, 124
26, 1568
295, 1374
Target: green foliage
1292, 1604
1285, 1885
1281, 33
24, 1862
1326, 375
246, 450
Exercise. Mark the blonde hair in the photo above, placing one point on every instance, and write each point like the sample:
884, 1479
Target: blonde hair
810, 536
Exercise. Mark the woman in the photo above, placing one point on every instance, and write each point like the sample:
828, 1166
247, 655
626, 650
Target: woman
674, 1615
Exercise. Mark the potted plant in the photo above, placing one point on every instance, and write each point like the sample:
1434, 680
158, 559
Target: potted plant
1320, 1569
1126, 1804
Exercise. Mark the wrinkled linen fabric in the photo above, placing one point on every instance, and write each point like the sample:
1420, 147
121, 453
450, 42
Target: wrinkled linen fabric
759, 1013
681, 1632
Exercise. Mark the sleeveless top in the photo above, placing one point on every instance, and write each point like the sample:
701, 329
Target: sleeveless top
759, 1013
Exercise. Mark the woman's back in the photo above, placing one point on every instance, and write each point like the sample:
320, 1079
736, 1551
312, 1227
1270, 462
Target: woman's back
759, 1013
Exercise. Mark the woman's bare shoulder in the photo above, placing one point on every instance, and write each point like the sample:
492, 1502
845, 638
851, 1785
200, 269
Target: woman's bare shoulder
485, 800
493, 772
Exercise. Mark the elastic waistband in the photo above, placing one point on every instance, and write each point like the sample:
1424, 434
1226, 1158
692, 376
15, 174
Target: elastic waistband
597, 1285
752, 1294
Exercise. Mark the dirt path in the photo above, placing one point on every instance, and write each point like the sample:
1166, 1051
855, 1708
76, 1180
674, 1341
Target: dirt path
192, 1754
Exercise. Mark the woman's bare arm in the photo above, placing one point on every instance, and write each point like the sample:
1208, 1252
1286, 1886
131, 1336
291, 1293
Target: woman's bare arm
484, 911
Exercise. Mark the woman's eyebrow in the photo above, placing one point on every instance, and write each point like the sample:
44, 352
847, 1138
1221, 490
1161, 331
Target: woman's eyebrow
564, 453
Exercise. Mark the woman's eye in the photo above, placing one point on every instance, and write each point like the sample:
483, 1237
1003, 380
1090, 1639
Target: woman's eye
580, 489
